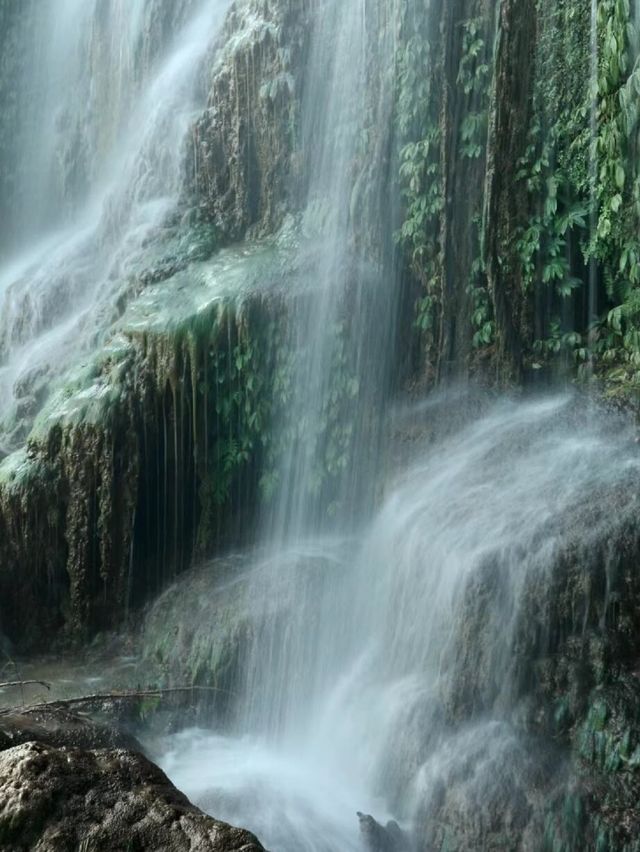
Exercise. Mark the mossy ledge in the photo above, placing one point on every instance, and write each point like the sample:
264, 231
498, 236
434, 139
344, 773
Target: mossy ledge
136, 462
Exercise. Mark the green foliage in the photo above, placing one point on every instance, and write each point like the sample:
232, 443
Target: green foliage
473, 72
582, 172
472, 130
560, 342
420, 173
543, 247
616, 243
473, 80
418, 83
240, 409
482, 318
323, 436
421, 82
616, 345
580, 168
556, 163
414, 83
147, 707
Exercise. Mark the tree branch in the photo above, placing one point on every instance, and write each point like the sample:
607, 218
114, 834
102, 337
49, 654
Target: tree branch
114, 697
14, 683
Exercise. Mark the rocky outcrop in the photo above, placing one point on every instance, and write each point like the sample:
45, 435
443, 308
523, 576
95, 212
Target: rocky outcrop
206, 628
146, 454
244, 163
382, 838
61, 800
562, 771
152, 450
68, 783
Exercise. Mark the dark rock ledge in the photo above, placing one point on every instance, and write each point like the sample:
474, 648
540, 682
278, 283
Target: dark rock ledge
64, 791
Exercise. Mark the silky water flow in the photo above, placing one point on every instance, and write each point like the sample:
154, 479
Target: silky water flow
364, 639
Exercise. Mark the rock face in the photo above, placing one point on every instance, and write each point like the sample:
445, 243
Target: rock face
379, 838
148, 423
54, 800
245, 158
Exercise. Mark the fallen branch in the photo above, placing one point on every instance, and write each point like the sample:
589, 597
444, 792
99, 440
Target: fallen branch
21, 683
99, 698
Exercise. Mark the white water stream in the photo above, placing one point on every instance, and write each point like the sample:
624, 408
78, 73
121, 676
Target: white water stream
384, 676
106, 112
349, 696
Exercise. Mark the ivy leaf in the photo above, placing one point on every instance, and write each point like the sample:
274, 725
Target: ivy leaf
576, 217
632, 341
624, 259
554, 270
614, 319
566, 287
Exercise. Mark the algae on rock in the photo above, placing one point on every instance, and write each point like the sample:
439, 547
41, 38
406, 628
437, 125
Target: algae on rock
144, 456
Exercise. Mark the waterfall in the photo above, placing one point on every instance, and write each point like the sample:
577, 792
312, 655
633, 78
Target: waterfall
398, 663
385, 665
393, 641
343, 334
104, 117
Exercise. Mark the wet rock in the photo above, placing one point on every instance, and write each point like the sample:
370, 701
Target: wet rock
482, 788
379, 838
204, 629
72, 559
58, 728
244, 153
54, 800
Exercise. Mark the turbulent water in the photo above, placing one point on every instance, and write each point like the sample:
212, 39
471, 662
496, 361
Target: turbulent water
103, 122
357, 672
384, 665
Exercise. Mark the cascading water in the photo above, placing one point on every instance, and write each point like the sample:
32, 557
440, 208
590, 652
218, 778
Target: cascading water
367, 657
366, 643
384, 659
343, 345
105, 117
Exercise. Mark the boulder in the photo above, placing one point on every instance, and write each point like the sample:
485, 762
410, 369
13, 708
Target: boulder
107, 800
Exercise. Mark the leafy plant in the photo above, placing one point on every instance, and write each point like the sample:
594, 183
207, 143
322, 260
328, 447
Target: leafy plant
482, 318
473, 80
420, 174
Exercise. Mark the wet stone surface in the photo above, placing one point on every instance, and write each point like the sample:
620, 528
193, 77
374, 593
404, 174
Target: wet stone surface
104, 794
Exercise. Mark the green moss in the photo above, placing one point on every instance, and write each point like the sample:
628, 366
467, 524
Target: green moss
136, 456
145, 455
